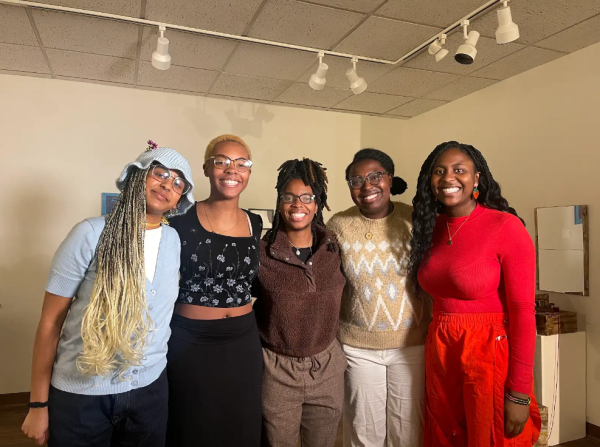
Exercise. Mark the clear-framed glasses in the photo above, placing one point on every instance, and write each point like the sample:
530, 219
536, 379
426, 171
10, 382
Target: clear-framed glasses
180, 185
290, 198
223, 162
373, 178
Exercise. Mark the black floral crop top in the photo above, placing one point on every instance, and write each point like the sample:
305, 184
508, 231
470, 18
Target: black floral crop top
216, 270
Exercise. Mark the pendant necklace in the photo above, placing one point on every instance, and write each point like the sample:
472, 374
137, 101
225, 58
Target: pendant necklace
297, 250
368, 234
450, 236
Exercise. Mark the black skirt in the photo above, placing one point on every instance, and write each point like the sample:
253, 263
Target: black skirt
215, 379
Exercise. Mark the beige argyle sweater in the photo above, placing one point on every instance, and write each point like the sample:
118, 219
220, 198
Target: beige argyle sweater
378, 310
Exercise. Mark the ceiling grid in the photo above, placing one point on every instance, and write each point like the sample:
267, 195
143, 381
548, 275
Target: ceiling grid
61, 45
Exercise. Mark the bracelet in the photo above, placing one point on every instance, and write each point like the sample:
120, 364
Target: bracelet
518, 400
37, 404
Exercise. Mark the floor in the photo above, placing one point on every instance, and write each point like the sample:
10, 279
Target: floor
11, 418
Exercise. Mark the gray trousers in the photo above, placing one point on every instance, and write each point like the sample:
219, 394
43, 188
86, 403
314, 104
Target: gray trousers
303, 398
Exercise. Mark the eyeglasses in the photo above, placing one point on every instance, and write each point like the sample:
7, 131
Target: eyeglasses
223, 162
373, 178
180, 185
290, 198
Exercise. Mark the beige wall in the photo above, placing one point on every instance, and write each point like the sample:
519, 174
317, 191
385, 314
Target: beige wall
63, 143
539, 133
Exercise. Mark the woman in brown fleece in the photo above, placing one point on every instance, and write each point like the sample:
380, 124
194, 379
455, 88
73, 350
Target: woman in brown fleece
299, 289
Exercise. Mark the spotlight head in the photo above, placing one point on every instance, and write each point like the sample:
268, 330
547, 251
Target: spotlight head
434, 48
508, 31
441, 54
466, 52
357, 84
161, 58
317, 80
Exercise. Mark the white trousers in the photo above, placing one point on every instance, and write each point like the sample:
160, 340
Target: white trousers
384, 397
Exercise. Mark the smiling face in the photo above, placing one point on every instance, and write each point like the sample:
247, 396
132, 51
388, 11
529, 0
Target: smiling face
452, 182
227, 183
372, 200
160, 196
297, 216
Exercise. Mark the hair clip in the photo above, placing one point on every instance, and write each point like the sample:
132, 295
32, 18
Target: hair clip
151, 146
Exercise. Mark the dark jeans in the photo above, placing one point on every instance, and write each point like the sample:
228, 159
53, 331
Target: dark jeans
135, 418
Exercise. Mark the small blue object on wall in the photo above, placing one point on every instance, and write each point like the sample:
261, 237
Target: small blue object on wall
578, 216
108, 202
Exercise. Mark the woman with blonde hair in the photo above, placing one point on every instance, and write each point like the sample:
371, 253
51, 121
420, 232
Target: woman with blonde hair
98, 376
215, 357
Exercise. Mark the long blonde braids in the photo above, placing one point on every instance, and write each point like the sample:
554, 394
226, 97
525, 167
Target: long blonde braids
116, 322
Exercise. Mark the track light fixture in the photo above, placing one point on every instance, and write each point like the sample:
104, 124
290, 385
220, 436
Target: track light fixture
508, 31
436, 48
161, 58
317, 80
357, 84
466, 52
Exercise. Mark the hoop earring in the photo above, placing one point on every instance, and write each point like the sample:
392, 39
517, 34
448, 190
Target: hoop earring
475, 193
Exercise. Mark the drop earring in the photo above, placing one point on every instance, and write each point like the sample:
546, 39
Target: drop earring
475, 193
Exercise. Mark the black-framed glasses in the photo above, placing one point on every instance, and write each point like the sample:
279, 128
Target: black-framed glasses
373, 178
223, 162
290, 198
180, 185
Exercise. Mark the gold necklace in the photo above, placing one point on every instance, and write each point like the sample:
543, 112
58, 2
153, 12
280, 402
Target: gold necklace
463, 222
152, 225
368, 234
211, 227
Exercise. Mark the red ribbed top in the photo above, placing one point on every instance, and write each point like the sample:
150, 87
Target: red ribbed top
490, 267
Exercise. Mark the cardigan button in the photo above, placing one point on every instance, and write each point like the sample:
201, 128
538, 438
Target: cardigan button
310, 263
153, 292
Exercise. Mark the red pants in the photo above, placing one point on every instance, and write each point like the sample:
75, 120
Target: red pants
466, 365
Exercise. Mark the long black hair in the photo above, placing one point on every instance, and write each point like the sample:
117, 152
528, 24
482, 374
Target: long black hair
426, 207
313, 174
398, 184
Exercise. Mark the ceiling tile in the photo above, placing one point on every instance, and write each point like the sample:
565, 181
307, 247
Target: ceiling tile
248, 87
130, 8
336, 75
462, 87
488, 51
352, 5
417, 107
398, 117
22, 58
91, 66
538, 19
301, 93
574, 38
86, 34
176, 78
516, 63
26, 73
429, 12
372, 102
189, 50
270, 62
232, 16
15, 26
298, 23
411, 82
385, 38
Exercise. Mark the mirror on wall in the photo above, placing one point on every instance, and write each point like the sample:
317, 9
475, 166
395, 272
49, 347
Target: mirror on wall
562, 249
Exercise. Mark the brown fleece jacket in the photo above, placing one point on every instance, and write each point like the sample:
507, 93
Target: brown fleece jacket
298, 306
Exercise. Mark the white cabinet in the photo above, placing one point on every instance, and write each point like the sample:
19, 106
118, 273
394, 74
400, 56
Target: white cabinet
561, 386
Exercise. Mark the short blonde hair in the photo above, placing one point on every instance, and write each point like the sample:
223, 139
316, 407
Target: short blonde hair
223, 138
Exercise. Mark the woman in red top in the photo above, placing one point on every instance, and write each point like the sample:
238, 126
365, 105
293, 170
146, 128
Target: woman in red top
473, 255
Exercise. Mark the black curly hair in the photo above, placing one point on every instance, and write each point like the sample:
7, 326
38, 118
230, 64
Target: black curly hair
313, 174
398, 184
426, 207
